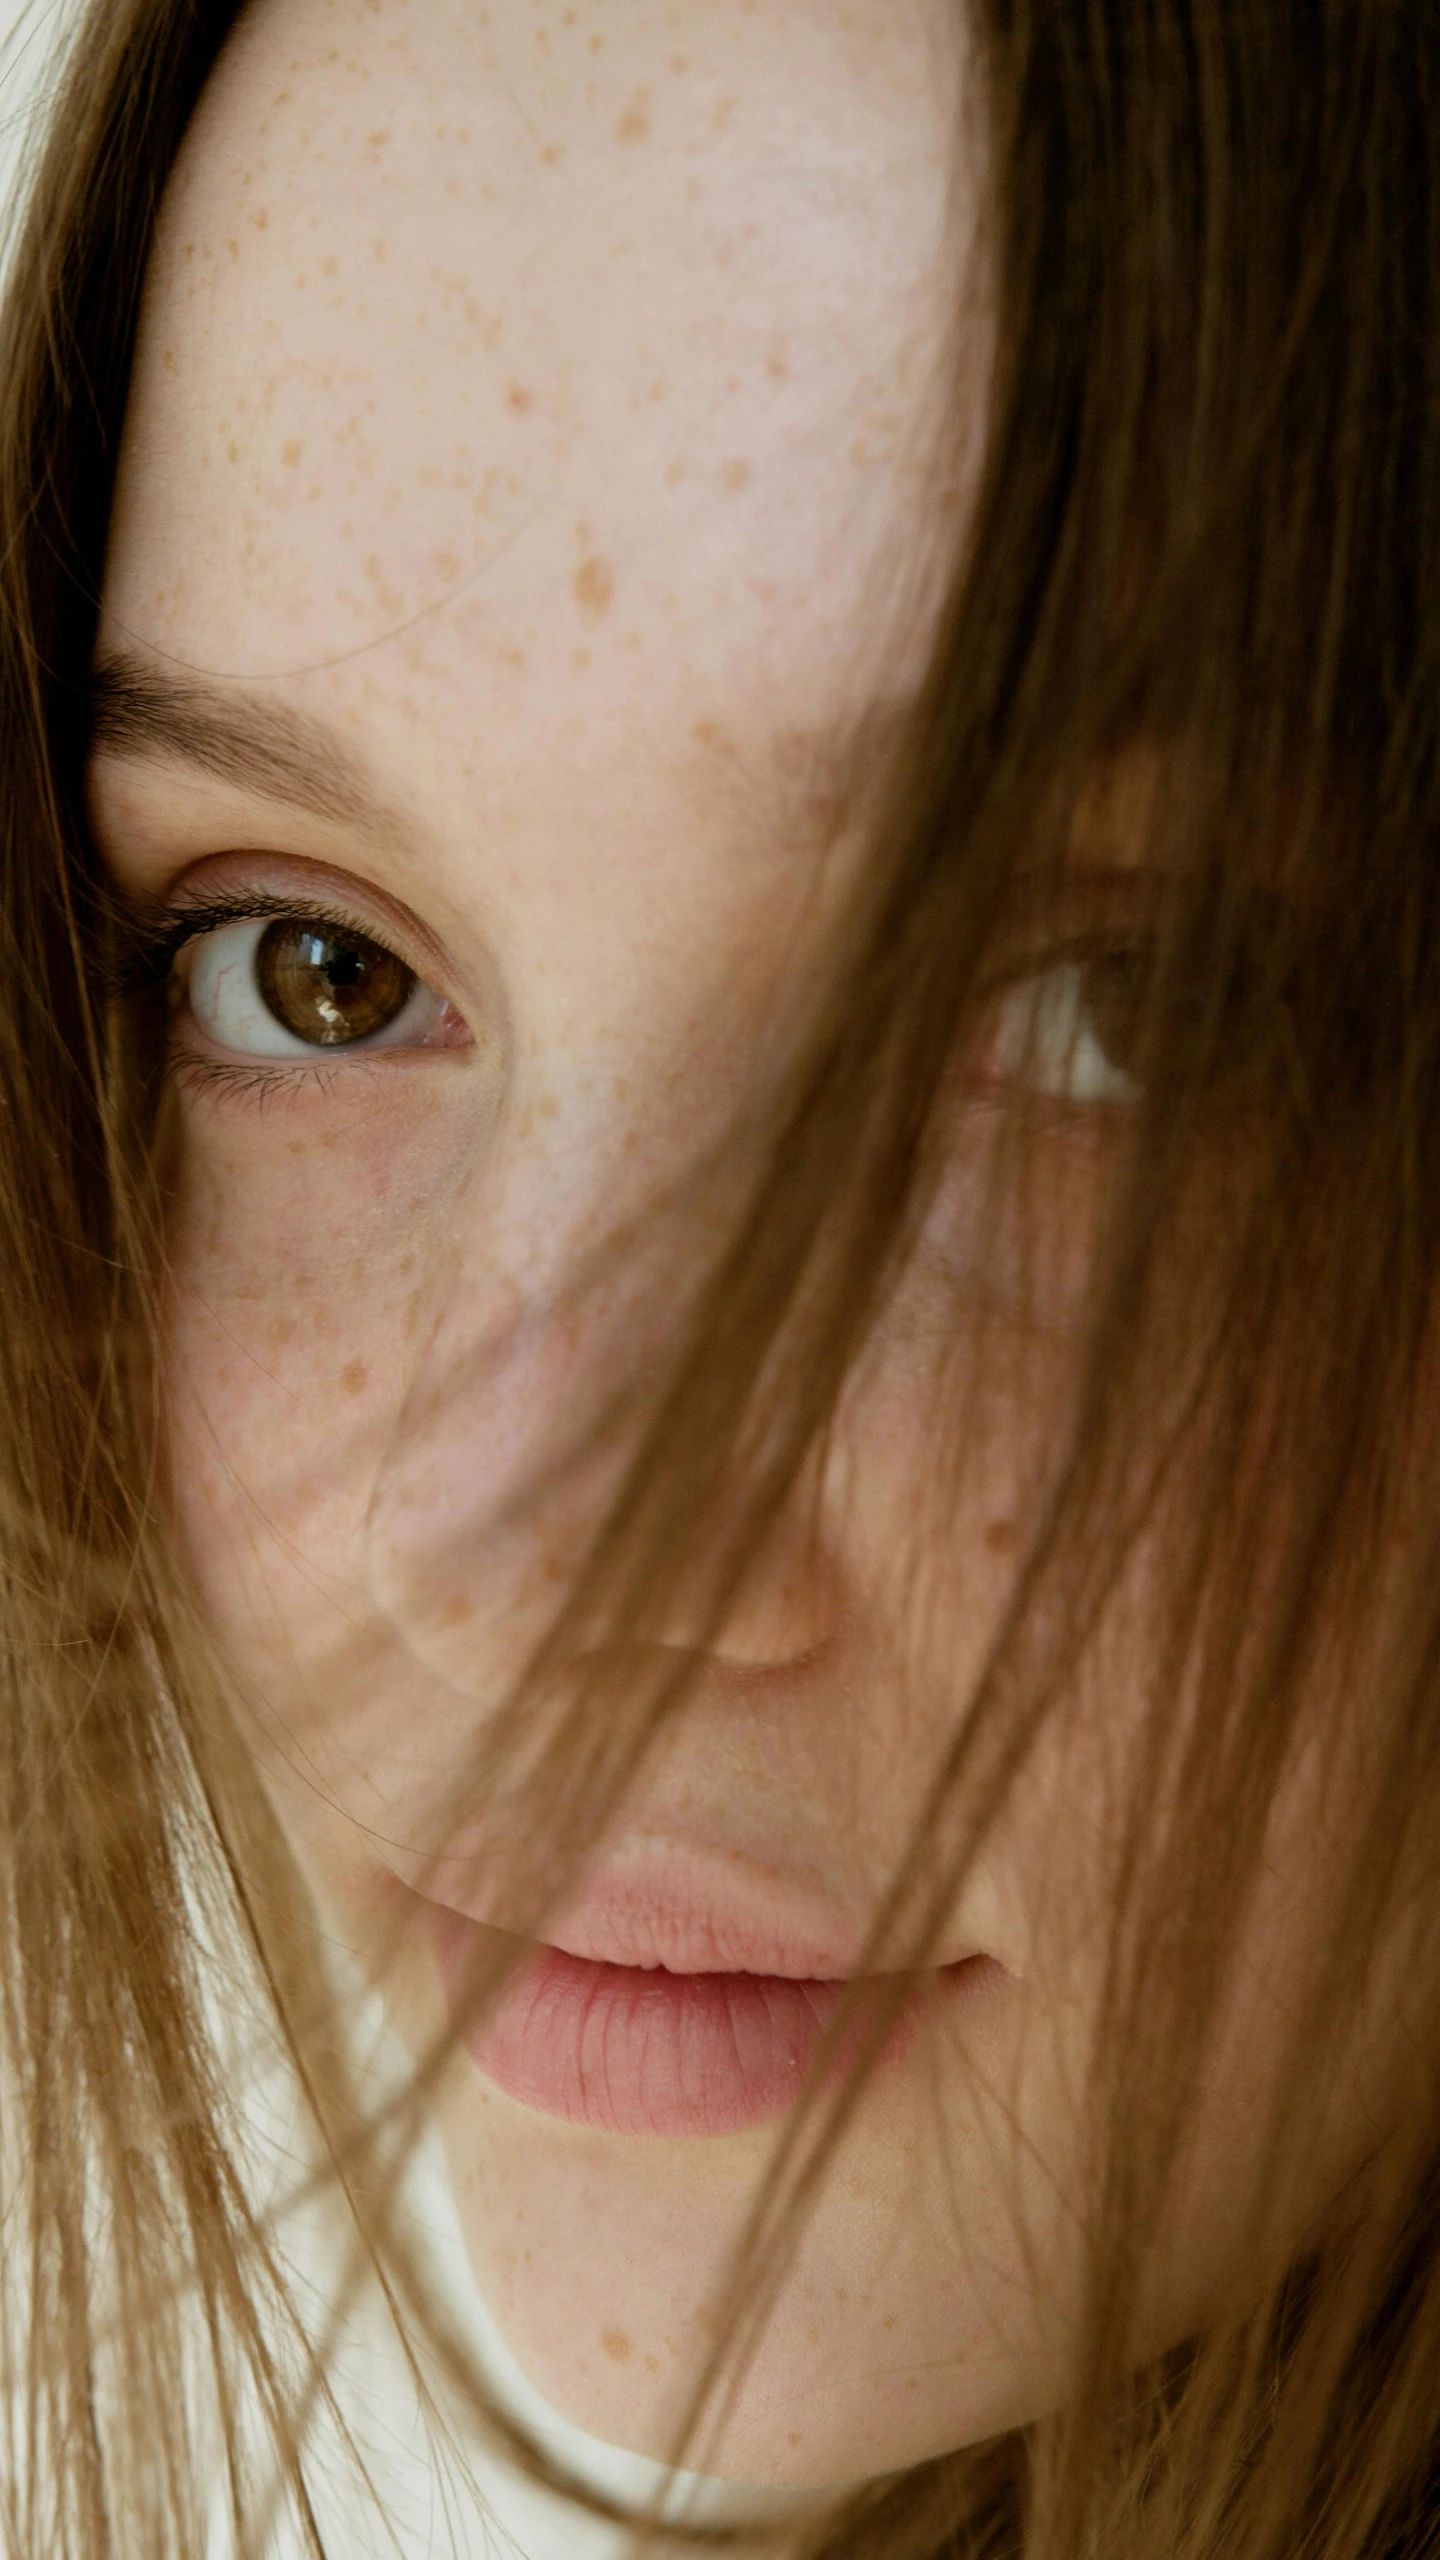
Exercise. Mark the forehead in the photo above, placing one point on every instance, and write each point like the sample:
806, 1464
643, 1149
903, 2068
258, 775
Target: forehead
534, 371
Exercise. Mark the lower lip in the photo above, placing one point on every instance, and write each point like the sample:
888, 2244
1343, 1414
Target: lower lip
628, 2050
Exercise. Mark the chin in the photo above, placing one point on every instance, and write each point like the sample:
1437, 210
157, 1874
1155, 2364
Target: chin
604, 2261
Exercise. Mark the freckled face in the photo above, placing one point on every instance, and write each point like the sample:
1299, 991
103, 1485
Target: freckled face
534, 460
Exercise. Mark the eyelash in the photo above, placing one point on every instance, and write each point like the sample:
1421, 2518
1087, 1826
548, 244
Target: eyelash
158, 941
256, 1083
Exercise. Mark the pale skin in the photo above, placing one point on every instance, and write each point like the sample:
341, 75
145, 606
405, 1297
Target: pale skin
540, 405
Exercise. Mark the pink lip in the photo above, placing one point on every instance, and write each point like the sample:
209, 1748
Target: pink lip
637, 2049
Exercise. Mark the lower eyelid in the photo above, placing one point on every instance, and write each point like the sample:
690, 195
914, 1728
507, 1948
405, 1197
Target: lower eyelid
233, 1081
240, 1082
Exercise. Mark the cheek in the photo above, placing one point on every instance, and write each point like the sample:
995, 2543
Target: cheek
392, 1318
302, 1238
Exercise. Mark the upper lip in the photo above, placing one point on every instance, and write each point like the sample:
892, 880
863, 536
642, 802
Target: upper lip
690, 1925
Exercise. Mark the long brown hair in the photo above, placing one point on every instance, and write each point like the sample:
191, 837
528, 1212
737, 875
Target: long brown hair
1206, 552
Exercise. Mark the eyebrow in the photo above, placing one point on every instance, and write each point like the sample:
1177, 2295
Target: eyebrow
238, 737
264, 747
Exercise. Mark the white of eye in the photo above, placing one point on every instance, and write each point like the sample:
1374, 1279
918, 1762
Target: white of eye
1045, 1039
226, 1002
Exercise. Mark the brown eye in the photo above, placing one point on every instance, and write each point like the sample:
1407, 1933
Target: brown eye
328, 985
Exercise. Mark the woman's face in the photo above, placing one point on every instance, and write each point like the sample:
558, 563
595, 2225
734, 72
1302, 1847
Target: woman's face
543, 462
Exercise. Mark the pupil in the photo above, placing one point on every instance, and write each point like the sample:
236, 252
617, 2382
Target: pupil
330, 986
343, 968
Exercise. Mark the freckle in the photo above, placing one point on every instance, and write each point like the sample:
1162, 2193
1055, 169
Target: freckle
547, 1108
652, 2364
233, 450
581, 658
553, 154
355, 1377
459, 1609
889, 2320
381, 251
378, 139
734, 475
280, 1331
674, 475
292, 452
617, 2346
634, 125
1002, 1537
679, 62
595, 586
262, 220
522, 398
234, 248
446, 566
778, 369
793, 2440
330, 267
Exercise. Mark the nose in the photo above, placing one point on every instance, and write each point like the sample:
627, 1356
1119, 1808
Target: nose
514, 1438
789, 1605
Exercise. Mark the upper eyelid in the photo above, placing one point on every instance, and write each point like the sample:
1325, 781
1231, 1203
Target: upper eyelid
1084, 915
159, 938
1016, 964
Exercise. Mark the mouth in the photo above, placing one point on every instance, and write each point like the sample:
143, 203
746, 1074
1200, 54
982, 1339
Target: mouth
641, 2049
